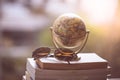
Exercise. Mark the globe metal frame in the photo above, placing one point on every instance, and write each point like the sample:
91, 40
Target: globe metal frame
80, 47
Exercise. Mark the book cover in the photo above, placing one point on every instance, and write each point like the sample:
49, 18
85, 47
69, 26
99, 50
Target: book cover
87, 61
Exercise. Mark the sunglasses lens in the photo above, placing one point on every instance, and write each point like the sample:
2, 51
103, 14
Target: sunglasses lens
65, 54
41, 52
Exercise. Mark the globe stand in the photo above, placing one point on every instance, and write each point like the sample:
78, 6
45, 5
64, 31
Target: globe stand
80, 47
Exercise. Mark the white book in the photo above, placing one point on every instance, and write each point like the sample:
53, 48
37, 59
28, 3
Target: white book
44, 74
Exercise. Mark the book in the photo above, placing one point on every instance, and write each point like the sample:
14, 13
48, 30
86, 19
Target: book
87, 61
80, 77
36, 73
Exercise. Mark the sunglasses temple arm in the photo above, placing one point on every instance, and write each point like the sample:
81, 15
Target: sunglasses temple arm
83, 45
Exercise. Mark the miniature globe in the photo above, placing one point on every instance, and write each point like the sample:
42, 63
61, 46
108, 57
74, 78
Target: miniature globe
69, 30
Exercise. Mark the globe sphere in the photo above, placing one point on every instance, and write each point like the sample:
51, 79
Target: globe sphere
69, 30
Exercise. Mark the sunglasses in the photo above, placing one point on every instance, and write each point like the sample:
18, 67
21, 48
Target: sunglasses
62, 54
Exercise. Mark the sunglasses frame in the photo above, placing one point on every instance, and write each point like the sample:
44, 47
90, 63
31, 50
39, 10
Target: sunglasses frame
65, 54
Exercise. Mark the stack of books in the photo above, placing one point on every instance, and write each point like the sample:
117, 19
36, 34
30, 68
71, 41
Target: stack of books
89, 67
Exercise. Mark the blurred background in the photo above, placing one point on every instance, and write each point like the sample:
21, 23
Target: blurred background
24, 26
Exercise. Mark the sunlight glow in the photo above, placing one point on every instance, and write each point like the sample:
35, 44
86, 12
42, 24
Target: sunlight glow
99, 11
